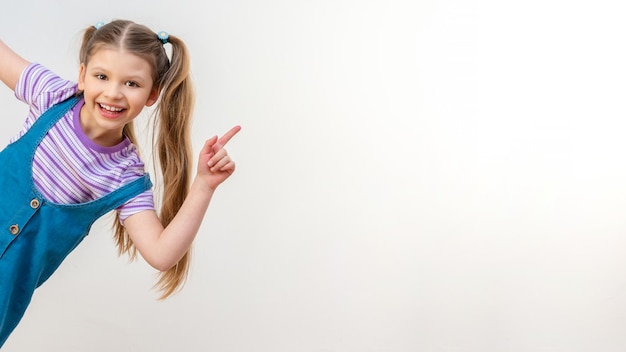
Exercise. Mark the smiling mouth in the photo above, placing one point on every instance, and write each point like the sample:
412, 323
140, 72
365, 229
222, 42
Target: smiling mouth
110, 111
110, 108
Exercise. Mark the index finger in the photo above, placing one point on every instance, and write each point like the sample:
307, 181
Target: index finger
228, 135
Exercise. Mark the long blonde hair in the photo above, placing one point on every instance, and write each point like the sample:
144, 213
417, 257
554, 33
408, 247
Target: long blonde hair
171, 129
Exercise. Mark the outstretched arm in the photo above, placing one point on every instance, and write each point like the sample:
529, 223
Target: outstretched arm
162, 247
11, 66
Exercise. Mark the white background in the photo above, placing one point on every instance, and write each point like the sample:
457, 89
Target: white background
412, 176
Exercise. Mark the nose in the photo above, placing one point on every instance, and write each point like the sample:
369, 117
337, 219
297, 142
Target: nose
113, 91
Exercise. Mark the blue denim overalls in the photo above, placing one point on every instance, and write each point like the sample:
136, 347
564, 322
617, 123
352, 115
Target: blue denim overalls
36, 235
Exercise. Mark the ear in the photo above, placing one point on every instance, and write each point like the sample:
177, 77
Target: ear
81, 77
154, 96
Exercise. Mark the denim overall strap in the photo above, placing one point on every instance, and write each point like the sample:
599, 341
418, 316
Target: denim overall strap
37, 235
16, 180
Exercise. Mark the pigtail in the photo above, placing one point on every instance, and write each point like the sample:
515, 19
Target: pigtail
172, 152
173, 148
85, 47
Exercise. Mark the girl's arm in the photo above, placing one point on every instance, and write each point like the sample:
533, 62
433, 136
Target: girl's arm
11, 66
162, 247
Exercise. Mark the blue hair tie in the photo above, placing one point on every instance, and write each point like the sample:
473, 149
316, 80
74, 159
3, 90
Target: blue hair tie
163, 37
99, 24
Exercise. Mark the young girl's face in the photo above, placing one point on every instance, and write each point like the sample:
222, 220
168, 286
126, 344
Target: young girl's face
116, 85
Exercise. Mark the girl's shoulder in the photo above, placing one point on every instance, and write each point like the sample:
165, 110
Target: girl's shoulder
41, 88
129, 162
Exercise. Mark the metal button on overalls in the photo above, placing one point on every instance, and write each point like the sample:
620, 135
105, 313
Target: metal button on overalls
38, 237
34, 203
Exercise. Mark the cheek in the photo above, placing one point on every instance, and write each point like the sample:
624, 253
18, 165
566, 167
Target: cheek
139, 98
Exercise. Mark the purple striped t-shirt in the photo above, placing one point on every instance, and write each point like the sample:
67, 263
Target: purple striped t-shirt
69, 168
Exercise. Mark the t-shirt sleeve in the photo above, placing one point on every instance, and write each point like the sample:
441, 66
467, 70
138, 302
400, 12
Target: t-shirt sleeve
144, 201
41, 88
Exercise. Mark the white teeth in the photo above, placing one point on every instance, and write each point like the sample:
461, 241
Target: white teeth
110, 108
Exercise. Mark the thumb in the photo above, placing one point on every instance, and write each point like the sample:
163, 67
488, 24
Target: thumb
208, 145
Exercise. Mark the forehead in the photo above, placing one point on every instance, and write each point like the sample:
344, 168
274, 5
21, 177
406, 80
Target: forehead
119, 61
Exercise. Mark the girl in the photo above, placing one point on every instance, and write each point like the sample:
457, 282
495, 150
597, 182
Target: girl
75, 160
